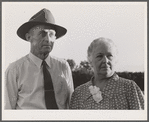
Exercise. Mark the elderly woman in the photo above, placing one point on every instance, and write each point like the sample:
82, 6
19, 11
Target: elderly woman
106, 90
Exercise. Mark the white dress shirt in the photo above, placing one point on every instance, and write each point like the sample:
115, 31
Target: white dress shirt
24, 83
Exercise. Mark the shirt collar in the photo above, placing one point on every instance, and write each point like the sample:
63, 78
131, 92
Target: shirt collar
37, 61
108, 89
48, 61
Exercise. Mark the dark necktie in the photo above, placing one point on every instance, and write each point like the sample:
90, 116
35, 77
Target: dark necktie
48, 88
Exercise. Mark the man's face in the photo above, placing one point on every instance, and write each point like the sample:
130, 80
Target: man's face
42, 39
103, 59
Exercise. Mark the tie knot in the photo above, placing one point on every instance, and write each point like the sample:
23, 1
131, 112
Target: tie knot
44, 63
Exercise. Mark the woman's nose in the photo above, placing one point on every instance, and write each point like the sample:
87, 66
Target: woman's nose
105, 59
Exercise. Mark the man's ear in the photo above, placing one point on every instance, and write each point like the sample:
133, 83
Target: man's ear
27, 36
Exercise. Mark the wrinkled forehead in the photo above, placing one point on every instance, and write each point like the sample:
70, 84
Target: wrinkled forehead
38, 28
102, 46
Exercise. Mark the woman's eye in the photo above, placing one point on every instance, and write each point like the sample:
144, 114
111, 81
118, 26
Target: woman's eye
110, 56
99, 56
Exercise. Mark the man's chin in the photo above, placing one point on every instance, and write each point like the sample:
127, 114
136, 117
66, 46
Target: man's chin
47, 50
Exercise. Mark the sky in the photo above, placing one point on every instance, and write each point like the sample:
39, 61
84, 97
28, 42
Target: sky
123, 22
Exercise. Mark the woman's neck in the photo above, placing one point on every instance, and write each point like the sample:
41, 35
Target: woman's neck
100, 81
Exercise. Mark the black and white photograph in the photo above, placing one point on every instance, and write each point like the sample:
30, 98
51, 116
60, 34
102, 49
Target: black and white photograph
74, 61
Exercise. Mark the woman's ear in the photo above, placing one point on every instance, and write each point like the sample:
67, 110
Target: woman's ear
89, 58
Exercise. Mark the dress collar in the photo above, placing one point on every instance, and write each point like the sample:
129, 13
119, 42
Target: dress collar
37, 61
108, 89
87, 91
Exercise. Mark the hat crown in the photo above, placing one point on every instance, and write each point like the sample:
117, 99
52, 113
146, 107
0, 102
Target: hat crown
43, 16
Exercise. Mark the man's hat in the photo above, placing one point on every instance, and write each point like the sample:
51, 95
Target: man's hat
43, 17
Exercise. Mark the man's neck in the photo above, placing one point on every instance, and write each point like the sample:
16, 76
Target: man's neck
42, 56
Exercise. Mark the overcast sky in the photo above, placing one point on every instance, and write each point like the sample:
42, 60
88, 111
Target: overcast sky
124, 23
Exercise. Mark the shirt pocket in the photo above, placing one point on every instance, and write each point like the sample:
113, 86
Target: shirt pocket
60, 87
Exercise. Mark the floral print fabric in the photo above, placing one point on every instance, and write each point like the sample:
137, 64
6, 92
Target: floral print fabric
119, 93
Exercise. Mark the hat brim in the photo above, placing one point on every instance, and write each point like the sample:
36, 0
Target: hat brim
23, 29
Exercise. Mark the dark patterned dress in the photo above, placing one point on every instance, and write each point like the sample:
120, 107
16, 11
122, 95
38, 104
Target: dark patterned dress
119, 93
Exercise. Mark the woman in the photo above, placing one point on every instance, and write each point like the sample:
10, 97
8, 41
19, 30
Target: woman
106, 90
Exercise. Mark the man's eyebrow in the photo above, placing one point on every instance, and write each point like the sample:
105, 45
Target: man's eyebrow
41, 31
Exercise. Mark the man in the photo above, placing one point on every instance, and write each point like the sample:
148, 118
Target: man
28, 79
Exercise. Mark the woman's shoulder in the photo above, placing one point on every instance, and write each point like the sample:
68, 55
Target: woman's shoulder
125, 81
83, 87
81, 92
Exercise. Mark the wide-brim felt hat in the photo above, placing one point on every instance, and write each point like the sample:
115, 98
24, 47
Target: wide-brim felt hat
43, 17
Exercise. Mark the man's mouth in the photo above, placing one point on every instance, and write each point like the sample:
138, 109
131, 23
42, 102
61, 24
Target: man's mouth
46, 45
105, 67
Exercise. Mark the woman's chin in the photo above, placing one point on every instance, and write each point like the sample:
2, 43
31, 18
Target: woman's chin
106, 73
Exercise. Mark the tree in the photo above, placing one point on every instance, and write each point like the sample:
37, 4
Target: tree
85, 64
82, 73
71, 63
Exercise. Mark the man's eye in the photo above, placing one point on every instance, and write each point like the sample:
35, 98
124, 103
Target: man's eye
52, 33
43, 33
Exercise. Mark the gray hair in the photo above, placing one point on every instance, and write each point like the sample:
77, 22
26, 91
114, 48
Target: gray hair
95, 43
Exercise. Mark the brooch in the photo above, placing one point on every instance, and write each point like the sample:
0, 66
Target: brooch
96, 93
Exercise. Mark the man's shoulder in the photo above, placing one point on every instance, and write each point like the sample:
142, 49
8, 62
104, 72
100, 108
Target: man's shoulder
17, 63
58, 60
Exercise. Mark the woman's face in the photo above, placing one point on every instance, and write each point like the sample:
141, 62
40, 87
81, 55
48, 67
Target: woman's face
103, 59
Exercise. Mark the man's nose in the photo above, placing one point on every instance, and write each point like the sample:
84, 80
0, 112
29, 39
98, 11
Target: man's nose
48, 38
